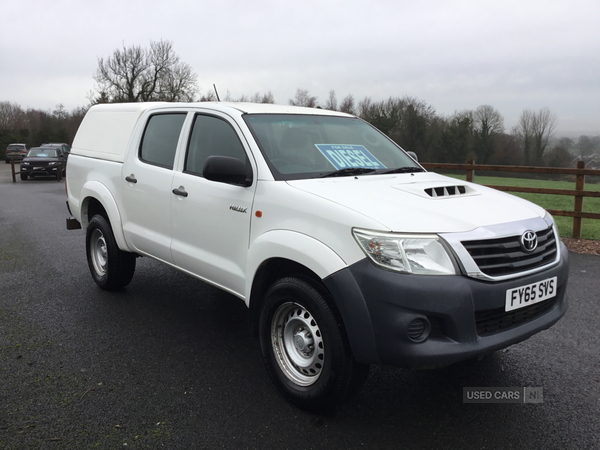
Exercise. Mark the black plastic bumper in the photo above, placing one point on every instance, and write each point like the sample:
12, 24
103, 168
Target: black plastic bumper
384, 311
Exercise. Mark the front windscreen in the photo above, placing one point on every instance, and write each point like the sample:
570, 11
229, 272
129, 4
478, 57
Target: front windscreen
42, 153
305, 146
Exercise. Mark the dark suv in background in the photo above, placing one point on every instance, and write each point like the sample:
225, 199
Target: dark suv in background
43, 161
15, 152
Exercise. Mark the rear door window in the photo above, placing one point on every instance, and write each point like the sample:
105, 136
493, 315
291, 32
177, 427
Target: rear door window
160, 139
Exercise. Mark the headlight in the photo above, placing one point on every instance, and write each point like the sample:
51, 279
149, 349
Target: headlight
409, 253
550, 220
52, 163
25, 163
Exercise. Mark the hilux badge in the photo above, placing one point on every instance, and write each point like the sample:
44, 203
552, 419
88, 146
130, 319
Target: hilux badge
238, 208
529, 241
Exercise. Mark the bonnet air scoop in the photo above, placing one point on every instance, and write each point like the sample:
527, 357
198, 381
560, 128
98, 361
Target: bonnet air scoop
438, 190
446, 191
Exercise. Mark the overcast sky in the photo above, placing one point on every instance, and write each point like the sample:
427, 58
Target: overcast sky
453, 55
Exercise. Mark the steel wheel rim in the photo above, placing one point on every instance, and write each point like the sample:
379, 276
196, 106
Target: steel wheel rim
297, 344
99, 252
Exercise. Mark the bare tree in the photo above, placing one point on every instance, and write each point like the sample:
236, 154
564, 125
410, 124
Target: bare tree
135, 74
303, 98
263, 98
544, 123
228, 98
524, 131
210, 96
331, 102
534, 131
11, 116
487, 124
364, 107
60, 113
347, 105
488, 120
257, 97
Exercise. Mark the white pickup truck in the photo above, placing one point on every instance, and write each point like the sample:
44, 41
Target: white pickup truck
346, 251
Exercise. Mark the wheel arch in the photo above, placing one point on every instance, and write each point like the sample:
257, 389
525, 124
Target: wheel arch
285, 252
267, 273
97, 199
278, 254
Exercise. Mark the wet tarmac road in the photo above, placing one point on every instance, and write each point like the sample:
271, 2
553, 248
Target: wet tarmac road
170, 363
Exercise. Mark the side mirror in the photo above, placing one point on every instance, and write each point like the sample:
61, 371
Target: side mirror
413, 155
226, 169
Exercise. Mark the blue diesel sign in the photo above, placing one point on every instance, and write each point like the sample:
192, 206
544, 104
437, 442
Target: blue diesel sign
345, 156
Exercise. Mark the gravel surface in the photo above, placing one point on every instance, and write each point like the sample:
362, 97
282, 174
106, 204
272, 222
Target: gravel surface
582, 246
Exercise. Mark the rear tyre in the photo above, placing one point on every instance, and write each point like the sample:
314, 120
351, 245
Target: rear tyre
305, 348
111, 268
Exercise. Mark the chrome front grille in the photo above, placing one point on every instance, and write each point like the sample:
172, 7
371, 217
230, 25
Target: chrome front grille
505, 256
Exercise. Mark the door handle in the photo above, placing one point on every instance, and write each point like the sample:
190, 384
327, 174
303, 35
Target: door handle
131, 179
180, 191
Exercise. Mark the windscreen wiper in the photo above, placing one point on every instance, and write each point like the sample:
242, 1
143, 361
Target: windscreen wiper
348, 171
404, 170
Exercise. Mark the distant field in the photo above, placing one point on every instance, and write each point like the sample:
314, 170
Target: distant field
590, 228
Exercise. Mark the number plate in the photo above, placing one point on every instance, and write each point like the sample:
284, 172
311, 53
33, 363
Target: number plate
532, 293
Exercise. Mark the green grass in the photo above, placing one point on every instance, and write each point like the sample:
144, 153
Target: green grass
590, 228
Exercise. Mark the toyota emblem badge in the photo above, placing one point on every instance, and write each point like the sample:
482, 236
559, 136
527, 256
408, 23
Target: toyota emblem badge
529, 241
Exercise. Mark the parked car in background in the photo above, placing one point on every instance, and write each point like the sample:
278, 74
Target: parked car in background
65, 148
43, 161
15, 152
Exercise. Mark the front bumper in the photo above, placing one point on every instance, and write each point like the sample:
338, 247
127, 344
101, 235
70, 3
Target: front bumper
39, 170
380, 310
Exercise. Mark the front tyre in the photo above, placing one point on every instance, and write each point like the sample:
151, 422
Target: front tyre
111, 268
304, 345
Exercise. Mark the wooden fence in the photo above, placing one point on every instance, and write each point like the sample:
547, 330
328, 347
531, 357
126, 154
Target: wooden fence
579, 193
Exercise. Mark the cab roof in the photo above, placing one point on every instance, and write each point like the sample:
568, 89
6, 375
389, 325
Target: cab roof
245, 108
107, 128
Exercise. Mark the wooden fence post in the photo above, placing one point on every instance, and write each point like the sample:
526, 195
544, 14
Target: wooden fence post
12, 169
579, 185
470, 171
